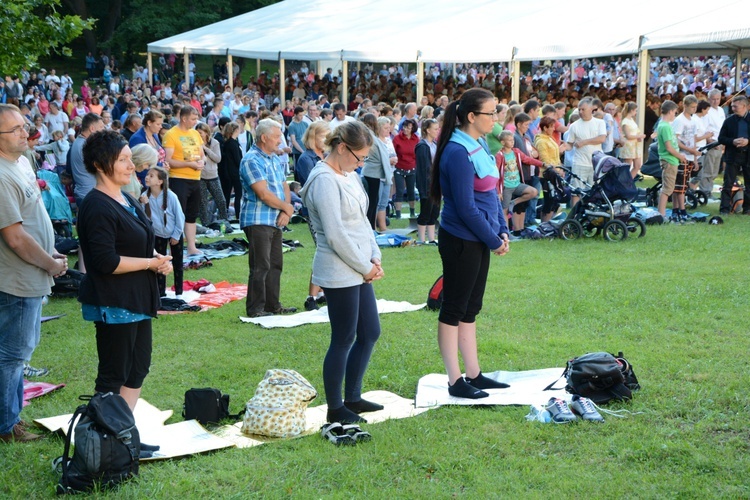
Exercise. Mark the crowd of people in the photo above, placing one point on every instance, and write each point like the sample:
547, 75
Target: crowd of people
141, 165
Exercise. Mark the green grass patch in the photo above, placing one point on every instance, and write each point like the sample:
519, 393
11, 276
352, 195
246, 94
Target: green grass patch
674, 301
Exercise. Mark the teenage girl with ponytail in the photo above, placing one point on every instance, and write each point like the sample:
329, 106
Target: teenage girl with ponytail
165, 211
472, 226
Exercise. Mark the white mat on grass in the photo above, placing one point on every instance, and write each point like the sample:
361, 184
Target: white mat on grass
176, 440
321, 315
395, 407
526, 388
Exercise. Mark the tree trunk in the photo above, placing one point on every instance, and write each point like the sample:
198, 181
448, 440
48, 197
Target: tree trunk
80, 8
113, 19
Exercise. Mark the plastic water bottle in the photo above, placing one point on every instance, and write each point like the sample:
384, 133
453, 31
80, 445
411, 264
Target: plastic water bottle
539, 413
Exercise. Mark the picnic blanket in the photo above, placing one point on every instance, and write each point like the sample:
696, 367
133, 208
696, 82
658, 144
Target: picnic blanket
224, 294
189, 437
33, 390
176, 440
321, 315
395, 407
526, 388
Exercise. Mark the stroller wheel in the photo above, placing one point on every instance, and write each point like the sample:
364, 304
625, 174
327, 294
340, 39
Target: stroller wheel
571, 229
691, 200
702, 197
615, 230
636, 227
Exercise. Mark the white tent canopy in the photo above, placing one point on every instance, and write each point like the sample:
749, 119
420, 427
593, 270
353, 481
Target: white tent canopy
477, 31
358, 30
724, 30
450, 31
592, 31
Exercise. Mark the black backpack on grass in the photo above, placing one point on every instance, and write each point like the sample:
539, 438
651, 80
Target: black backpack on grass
601, 377
68, 284
207, 406
107, 445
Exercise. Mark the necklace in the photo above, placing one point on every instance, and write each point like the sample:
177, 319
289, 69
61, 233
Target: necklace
338, 171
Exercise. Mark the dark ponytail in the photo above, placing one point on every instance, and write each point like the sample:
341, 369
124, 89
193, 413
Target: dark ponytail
455, 115
449, 124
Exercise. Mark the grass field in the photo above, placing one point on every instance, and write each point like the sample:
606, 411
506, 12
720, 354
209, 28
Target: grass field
674, 301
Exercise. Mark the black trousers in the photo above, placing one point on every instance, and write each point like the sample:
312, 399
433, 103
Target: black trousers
266, 263
124, 355
160, 245
465, 267
355, 327
732, 169
428, 211
373, 194
236, 184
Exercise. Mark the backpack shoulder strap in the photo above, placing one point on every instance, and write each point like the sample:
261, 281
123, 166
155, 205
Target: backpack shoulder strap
550, 387
81, 410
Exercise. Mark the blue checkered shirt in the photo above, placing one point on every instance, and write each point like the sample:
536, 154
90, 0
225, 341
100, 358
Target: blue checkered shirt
258, 166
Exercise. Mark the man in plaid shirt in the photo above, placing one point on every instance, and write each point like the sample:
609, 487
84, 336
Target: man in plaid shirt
266, 209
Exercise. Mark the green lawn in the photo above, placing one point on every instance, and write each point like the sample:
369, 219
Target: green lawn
675, 302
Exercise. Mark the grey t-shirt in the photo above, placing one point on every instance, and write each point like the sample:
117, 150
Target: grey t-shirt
21, 201
85, 181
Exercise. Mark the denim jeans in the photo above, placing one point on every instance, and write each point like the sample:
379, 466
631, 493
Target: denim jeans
20, 324
530, 219
384, 196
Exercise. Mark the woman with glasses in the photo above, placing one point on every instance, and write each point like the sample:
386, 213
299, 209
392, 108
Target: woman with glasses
346, 262
465, 176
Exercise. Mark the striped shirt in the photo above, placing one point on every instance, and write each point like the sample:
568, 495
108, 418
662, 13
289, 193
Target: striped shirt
258, 166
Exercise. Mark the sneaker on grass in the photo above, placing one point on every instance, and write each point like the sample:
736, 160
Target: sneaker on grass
310, 304
559, 411
30, 371
585, 408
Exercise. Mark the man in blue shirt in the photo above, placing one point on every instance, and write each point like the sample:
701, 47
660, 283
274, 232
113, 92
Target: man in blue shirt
266, 208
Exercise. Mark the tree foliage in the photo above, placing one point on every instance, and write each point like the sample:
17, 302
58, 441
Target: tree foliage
128, 26
33, 28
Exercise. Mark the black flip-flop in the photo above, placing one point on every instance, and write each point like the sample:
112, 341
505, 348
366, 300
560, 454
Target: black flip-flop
334, 432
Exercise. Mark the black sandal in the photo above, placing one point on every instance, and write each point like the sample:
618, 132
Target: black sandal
357, 433
335, 433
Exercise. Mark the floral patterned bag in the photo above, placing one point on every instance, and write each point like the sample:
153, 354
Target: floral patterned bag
278, 407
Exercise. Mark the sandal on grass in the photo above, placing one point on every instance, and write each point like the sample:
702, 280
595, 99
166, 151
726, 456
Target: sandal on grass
335, 433
357, 433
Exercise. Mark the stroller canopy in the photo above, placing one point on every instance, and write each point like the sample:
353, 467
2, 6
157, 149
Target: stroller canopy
614, 177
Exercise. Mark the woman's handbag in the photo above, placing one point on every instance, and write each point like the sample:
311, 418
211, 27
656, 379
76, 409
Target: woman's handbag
278, 407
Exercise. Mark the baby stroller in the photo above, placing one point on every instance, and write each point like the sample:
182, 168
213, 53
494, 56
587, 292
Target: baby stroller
604, 207
693, 197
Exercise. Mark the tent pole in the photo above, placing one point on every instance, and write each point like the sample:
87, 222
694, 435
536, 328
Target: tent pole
187, 70
257, 69
515, 80
642, 87
282, 84
345, 83
420, 81
230, 72
150, 64
738, 73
